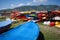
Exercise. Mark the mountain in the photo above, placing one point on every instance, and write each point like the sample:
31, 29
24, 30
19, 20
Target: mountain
38, 8
7, 10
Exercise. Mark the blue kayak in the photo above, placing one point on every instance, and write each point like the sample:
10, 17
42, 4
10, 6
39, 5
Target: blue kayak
26, 31
4, 25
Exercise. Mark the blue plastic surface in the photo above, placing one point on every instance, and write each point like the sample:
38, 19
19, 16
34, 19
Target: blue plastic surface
26, 31
4, 23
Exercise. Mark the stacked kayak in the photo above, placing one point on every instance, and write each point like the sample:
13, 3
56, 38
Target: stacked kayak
57, 24
26, 31
4, 25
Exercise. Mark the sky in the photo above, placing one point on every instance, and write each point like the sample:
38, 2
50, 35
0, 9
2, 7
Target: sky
9, 4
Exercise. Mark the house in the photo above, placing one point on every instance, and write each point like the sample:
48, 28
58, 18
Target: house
6, 14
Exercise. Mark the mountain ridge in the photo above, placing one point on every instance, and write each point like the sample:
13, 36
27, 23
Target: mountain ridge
37, 8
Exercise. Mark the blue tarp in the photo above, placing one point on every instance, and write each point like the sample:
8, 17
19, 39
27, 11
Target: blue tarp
4, 23
26, 31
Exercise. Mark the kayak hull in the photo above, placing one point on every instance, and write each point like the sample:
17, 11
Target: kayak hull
5, 28
26, 31
5, 25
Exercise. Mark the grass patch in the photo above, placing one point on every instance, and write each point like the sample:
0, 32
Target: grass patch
16, 24
50, 33
2, 18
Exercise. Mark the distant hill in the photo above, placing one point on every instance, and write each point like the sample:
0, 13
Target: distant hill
7, 10
38, 8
